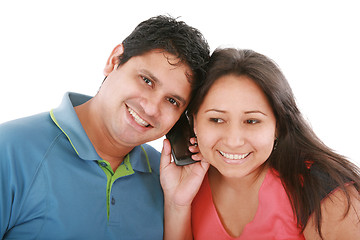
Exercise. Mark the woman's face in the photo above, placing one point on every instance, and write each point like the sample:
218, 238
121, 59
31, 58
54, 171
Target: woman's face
235, 126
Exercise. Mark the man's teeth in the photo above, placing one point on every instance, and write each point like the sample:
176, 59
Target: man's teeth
139, 120
234, 156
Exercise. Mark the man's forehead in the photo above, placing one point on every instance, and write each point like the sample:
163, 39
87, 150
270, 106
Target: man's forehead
174, 61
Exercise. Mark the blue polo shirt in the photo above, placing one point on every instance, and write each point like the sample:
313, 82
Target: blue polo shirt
55, 186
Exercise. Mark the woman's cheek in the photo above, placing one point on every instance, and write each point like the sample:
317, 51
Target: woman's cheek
265, 143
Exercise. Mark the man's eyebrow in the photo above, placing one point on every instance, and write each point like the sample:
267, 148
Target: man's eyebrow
156, 80
179, 98
150, 75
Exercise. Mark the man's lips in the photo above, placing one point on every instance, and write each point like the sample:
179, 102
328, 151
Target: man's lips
137, 118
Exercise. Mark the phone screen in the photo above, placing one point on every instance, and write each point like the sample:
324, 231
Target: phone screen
179, 137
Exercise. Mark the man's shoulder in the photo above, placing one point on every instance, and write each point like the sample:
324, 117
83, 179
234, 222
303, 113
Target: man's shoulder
27, 129
24, 143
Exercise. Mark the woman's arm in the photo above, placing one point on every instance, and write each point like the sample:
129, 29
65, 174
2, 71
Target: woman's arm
335, 224
180, 185
177, 224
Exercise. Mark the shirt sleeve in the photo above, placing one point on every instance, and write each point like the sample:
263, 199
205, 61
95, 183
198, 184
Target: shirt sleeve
6, 182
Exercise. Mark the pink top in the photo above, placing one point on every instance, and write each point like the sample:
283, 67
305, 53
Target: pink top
274, 218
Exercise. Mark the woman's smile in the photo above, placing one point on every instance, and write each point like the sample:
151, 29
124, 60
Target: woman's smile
233, 158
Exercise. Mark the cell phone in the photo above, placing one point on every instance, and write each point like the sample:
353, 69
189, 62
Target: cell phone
179, 137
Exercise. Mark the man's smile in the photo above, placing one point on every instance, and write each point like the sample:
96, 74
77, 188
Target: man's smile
137, 118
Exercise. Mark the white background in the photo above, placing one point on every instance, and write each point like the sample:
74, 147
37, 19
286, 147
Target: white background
50, 47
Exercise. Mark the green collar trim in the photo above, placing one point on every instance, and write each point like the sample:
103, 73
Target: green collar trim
57, 124
147, 159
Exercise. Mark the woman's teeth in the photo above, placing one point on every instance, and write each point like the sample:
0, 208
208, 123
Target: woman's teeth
138, 119
234, 156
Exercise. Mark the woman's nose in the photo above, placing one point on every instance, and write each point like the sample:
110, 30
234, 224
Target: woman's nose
235, 136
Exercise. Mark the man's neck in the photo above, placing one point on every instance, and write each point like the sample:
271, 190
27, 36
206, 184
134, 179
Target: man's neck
105, 146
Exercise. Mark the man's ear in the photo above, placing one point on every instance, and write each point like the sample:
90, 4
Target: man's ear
113, 59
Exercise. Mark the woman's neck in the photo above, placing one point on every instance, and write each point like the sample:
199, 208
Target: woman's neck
240, 184
236, 199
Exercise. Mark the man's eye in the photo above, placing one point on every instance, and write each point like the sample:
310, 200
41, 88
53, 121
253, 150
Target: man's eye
173, 101
147, 81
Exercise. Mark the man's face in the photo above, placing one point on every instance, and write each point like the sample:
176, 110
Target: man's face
143, 98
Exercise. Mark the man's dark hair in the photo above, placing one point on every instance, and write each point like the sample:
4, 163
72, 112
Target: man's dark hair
175, 37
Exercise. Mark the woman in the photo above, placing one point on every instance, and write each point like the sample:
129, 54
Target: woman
270, 177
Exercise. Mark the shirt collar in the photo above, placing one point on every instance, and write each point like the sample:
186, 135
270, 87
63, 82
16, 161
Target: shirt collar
139, 159
67, 120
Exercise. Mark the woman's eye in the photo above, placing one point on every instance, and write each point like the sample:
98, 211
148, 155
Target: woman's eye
216, 120
173, 101
251, 121
147, 81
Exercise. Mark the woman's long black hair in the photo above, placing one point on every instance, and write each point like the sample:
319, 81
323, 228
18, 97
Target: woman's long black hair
308, 169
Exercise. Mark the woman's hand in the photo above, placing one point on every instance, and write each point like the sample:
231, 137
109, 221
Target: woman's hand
197, 156
181, 183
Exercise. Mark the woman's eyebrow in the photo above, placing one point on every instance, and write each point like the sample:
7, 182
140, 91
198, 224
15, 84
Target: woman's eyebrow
215, 110
255, 111
246, 112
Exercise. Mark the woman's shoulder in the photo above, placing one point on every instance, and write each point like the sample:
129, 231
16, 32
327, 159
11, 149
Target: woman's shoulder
326, 183
339, 219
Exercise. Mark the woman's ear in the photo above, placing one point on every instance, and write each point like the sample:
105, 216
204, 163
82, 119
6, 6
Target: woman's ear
194, 124
113, 60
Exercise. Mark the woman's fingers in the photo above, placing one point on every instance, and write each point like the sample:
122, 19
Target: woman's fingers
165, 159
194, 149
193, 141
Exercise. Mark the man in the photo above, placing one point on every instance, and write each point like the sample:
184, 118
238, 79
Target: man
81, 171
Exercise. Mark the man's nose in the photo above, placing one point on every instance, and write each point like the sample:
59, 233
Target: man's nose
151, 105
